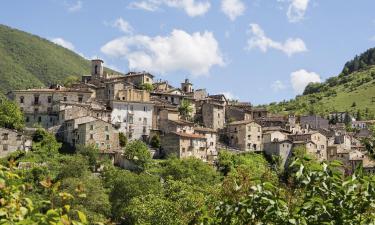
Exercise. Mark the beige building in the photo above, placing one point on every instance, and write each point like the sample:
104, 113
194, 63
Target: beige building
91, 131
213, 115
12, 140
184, 145
245, 135
315, 142
211, 139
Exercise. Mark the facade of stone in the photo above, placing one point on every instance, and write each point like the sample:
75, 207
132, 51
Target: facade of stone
245, 135
12, 140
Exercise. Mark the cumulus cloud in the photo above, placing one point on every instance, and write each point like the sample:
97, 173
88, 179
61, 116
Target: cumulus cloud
191, 7
63, 43
259, 40
229, 95
232, 8
296, 10
75, 7
179, 51
278, 86
123, 26
301, 78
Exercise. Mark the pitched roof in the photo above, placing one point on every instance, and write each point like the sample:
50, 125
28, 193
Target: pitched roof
186, 135
241, 122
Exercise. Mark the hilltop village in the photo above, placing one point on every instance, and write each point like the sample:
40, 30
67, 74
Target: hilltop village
103, 108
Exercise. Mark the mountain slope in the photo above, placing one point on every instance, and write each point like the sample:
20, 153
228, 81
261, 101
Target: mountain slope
353, 91
30, 61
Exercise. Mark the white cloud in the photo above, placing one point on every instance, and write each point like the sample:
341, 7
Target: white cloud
232, 8
145, 5
123, 26
296, 10
63, 43
278, 86
229, 95
301, 78
75, 7
191, 7
260, 40
195, 53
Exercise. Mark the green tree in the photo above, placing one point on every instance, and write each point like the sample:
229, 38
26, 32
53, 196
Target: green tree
122, 139
138, 152
148, 87
45, 145
185, 109
155, 141
70, 80
11, 116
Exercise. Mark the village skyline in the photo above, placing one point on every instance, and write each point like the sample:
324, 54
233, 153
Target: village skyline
224, 46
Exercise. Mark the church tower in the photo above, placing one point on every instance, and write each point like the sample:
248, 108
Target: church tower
97, 68
187, 87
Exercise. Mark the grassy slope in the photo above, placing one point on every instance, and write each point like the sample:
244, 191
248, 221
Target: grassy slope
30, 61
336, 98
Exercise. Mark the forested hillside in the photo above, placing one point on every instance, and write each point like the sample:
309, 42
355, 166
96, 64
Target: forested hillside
30, 61
353, 91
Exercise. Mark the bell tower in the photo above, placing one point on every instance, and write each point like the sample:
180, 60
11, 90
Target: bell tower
187, 87
97, 68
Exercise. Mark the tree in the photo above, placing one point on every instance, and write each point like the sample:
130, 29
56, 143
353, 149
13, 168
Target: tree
45, 145
123, 139
11, 116
91, 152
138, 152
155, 141
148, 87
70, 80
185, 109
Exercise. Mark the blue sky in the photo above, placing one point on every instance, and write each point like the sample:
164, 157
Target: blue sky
254, 50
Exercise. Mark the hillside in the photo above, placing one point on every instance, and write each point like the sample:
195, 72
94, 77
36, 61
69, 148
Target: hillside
353, 91
30, 61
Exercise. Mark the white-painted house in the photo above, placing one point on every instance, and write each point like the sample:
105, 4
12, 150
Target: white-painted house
133, 118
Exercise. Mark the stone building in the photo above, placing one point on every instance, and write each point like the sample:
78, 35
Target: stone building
314, 122
139, 78
245, 135
184, 145
211, 139
187, 87
280, 148
314, 141
41, 106
12, 140
89, 130
213, 114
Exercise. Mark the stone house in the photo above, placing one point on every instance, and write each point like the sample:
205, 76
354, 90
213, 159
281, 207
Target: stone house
315, 142
245, 135
12, 140
213, 114
163, 111
184, 145
234, 113
183, 126
40, 106
139, 78
314, 122
89, 130
211, 139
281, 148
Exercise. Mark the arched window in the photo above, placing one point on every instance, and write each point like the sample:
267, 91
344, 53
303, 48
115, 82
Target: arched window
21, 99
96, 69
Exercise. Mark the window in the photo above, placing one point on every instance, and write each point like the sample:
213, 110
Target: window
49, 99
19, 137
258, 138
27, 119
144, 120
107, 137
80, 98
22, 99
147, 79
249, 136
5, 147
91, 136
130, 119
211, 144
39, 119
96, 69
258, 129
183, 149
144, 129
65, 98
91, 127
139, 119
36, 99
5, 136
145, 108
106, 128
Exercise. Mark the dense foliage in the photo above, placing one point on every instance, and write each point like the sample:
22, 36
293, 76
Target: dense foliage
360, 62
11, 116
